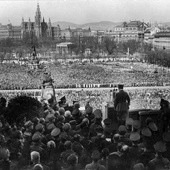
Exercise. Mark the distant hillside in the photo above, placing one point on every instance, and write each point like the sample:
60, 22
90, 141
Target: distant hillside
103, 25
64, 25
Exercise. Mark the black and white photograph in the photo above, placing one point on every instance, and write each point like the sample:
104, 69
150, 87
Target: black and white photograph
84, 85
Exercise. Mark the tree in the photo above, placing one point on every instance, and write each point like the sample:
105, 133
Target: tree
133, 46
2, 57
110, 45
22, 107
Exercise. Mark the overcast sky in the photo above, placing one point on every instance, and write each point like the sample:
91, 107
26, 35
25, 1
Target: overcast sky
84, 11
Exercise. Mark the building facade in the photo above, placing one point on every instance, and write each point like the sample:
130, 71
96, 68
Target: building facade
161, 40
134, 30
39, 27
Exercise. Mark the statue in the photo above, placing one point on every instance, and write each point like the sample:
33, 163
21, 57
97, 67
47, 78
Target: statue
48, 91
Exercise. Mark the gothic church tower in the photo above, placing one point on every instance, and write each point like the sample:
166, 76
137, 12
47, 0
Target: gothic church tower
38, 30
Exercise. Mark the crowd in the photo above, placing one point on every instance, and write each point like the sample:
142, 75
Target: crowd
141, 98
67, 76
64, 139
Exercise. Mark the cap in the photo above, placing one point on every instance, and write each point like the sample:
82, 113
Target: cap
55, 132
51, 126
129, 121
160, 146
122, 128
66, 127
28, 124
72, 122
75, 101
36, 137
120, 86
152, 126
39, 126
67, 113
51, 144
146, 132
134, 136
136, 124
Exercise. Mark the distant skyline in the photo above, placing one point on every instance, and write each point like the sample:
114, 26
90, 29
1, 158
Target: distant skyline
85, 11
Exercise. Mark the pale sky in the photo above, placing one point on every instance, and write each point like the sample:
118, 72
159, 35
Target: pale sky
84, 11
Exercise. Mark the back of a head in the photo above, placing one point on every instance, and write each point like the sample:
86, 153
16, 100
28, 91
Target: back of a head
38, 167
72, 159
35, 157
138, 166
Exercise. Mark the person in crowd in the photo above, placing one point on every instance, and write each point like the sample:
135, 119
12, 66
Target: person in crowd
159, 162
95, 165
121, 104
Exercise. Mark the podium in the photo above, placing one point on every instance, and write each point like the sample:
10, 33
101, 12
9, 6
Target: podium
108, 111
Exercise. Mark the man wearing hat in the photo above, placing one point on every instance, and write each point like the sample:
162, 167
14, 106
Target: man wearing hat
95, 162
121, 104
159, 162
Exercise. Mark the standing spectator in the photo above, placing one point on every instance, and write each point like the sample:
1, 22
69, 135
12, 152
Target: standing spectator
121, 104
159, 162
95, 165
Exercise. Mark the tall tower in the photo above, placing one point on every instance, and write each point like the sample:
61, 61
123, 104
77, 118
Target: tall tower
38, 30
22, 28
29, 25
49, 28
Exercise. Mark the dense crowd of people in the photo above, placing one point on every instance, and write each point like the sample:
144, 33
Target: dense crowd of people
14, 76
71, 139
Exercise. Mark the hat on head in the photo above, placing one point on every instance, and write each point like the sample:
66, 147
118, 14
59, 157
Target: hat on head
97, 113
55, 132
61, 111
28, 124
76, 104
166, 136
129, 121
72, 159
39, 126
86, 120
51, 144
152, 126
67, 144
134, 136
122, 129
75, 101
139, 166
116, 137
120, 86
95, 155
66, 127
146, 132
160, 146
51, 126
42, 120
136, 124
36, 137
72, 122
67, 113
